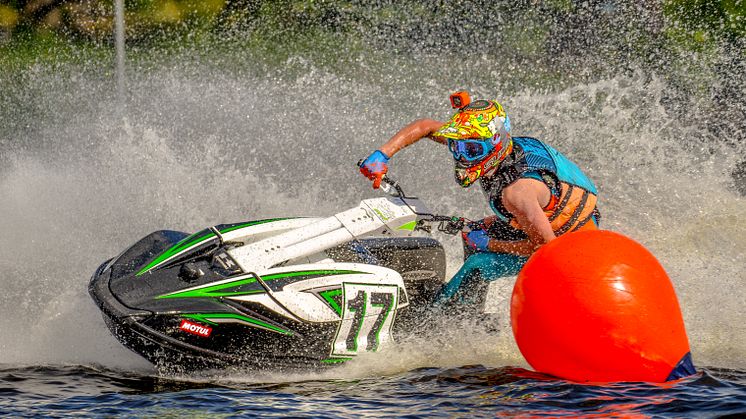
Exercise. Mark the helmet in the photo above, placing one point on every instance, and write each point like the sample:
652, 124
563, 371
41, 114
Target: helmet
478, 136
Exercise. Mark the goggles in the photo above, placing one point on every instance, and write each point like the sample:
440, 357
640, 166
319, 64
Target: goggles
467, 151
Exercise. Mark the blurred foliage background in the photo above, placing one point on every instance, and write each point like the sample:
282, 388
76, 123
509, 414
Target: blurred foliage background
566, 39
688, 24
697, 46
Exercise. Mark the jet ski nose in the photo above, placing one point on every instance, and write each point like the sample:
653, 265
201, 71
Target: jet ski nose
100, 291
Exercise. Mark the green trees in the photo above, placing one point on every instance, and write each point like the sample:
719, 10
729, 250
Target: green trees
686, 23
695, 20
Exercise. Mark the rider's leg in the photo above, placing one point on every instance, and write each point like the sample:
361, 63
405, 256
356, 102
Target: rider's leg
484, 266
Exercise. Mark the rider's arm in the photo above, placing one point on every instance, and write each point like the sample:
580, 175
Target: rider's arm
525, 199
520, 248
410, 134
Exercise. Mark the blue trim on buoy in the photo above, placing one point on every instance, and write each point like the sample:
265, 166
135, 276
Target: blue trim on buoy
684, 368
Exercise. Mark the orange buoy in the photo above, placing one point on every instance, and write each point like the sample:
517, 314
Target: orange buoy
597, 306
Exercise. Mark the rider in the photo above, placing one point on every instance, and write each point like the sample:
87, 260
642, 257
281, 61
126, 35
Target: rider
535, 192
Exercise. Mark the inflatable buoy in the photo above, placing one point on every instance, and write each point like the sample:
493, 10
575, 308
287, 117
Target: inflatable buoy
597, 306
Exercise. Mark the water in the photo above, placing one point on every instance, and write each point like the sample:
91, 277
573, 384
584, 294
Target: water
120, 50
211, 136
424, 392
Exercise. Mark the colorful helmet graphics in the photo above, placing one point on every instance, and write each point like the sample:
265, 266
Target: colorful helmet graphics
478, 137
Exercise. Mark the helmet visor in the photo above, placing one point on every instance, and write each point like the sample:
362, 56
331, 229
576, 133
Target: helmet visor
469, 151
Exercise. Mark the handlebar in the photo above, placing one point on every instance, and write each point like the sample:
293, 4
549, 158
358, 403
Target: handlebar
392, 187
446, 224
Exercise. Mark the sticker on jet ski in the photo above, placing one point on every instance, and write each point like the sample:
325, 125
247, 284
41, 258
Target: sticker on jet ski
367, 316
195, 329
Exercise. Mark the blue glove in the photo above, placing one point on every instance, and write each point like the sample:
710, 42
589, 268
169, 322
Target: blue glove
477, 240
374, 167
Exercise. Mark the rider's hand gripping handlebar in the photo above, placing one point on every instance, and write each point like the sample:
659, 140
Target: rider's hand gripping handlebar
446, 224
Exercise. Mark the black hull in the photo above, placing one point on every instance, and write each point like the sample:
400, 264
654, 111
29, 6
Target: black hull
173, 356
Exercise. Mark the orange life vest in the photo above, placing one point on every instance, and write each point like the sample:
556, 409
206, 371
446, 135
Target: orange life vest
573, 203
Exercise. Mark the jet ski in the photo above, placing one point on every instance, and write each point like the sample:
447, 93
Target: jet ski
276, 294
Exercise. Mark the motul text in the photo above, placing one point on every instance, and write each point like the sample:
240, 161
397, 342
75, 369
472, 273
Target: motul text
195, 329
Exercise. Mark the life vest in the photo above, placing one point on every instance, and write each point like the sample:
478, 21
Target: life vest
572, 205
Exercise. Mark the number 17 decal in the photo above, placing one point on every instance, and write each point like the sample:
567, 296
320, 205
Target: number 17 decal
367, 316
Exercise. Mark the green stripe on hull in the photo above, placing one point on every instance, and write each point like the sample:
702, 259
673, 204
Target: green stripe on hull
179, 247
209, 317
215, 290
189, 242
218, 290
408, 226
252, 223
335, 360
329, 298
